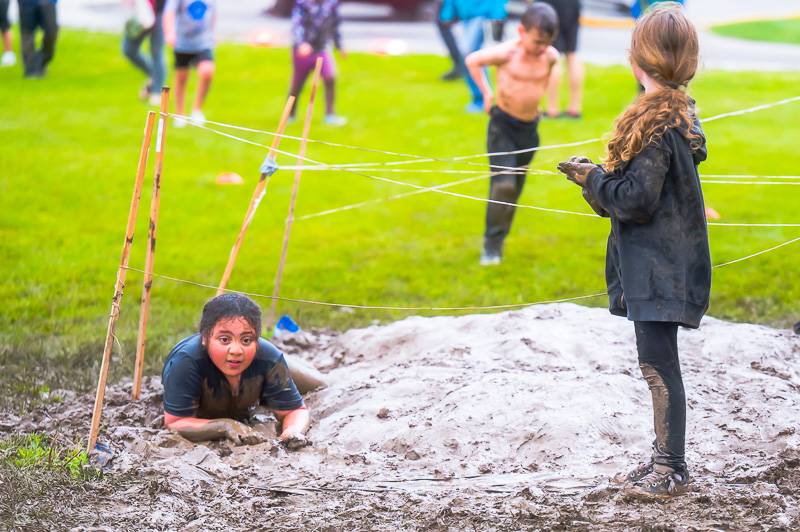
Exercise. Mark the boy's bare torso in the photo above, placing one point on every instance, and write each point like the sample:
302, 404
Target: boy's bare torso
522, 79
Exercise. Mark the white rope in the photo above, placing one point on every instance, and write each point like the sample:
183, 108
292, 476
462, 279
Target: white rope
472, 307
463, 158
773, 248
401, 183
745, 176
457, 195
389, 198
737, 182
370, 307
752, 109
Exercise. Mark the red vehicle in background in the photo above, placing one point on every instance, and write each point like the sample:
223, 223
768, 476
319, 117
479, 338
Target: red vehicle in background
406, 9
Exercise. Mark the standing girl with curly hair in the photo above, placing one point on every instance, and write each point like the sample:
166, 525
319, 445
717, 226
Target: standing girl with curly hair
658, 265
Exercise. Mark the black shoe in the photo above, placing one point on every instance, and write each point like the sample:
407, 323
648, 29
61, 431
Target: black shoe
797, 328
663, 481
636, 474
452, 75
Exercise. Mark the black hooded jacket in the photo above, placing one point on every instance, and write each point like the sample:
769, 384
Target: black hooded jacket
658, 264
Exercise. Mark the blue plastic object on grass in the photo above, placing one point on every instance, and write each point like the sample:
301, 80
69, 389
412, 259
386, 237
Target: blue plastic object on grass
286, 325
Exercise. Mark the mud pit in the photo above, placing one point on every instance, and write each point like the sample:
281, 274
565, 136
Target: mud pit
506, 421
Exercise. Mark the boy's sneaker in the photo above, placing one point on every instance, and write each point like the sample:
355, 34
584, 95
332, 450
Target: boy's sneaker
179, 122
198, 117
8, 59
335, 120
663, 481
489, 258
155, 99
474, 108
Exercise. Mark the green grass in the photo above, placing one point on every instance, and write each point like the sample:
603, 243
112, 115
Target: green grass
37, 451
68, 156
781, 30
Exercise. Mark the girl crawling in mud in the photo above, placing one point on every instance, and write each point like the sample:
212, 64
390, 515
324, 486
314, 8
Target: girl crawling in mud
214, 378
658, 265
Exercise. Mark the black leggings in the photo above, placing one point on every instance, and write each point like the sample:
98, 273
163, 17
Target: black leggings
657, 343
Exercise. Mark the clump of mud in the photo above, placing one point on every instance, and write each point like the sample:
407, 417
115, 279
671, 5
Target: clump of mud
502, 422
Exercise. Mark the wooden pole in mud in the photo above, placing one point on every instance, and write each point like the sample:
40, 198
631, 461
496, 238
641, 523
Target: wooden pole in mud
255, 200
290, 217
161, 139
120, 284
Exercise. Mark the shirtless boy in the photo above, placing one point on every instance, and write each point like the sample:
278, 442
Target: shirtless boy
523, 69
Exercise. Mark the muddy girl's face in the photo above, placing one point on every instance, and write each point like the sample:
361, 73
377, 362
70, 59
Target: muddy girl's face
533, 41
232, 346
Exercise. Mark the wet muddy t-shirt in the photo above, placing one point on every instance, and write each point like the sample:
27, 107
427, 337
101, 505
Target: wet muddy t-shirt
195, 387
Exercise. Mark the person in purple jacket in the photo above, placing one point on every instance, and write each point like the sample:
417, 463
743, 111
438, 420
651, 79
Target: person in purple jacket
315, 23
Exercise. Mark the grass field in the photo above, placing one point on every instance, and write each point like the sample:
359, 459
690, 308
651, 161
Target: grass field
68, 155
781, 30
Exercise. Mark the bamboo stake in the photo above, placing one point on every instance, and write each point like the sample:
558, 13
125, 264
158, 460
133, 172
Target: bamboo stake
161, 139
290, 217
120, 284
255, 200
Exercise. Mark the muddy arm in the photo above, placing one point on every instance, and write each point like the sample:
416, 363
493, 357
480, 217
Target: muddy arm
197, 429
295, 424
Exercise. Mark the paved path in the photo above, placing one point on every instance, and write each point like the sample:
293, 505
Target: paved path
371, 28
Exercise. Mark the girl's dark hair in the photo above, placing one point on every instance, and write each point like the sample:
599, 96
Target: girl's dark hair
541, 16
230, 305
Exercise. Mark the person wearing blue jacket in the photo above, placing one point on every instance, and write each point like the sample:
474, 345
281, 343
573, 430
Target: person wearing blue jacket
473, 15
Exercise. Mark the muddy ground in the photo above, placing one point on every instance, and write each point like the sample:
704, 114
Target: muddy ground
490, 422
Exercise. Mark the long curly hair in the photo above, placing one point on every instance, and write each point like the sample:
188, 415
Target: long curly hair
665, 47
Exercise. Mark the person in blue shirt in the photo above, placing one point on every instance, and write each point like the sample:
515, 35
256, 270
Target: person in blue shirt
640, 7
473, 15
215, 378
189, 29
34, 15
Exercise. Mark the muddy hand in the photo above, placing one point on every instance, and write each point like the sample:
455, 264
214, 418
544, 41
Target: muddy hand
241, 434
295, 441
575, 171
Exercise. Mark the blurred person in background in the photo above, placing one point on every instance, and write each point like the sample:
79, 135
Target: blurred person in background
640, 7
315, 23
8, 58
569, 14
189, 29
473, 15
446, 33
153, 67
33, 15
523, 67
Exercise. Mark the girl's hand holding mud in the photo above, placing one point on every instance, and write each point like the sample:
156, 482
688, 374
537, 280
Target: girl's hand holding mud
577, 172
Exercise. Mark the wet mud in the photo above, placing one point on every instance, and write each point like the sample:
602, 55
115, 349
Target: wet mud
492, 422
